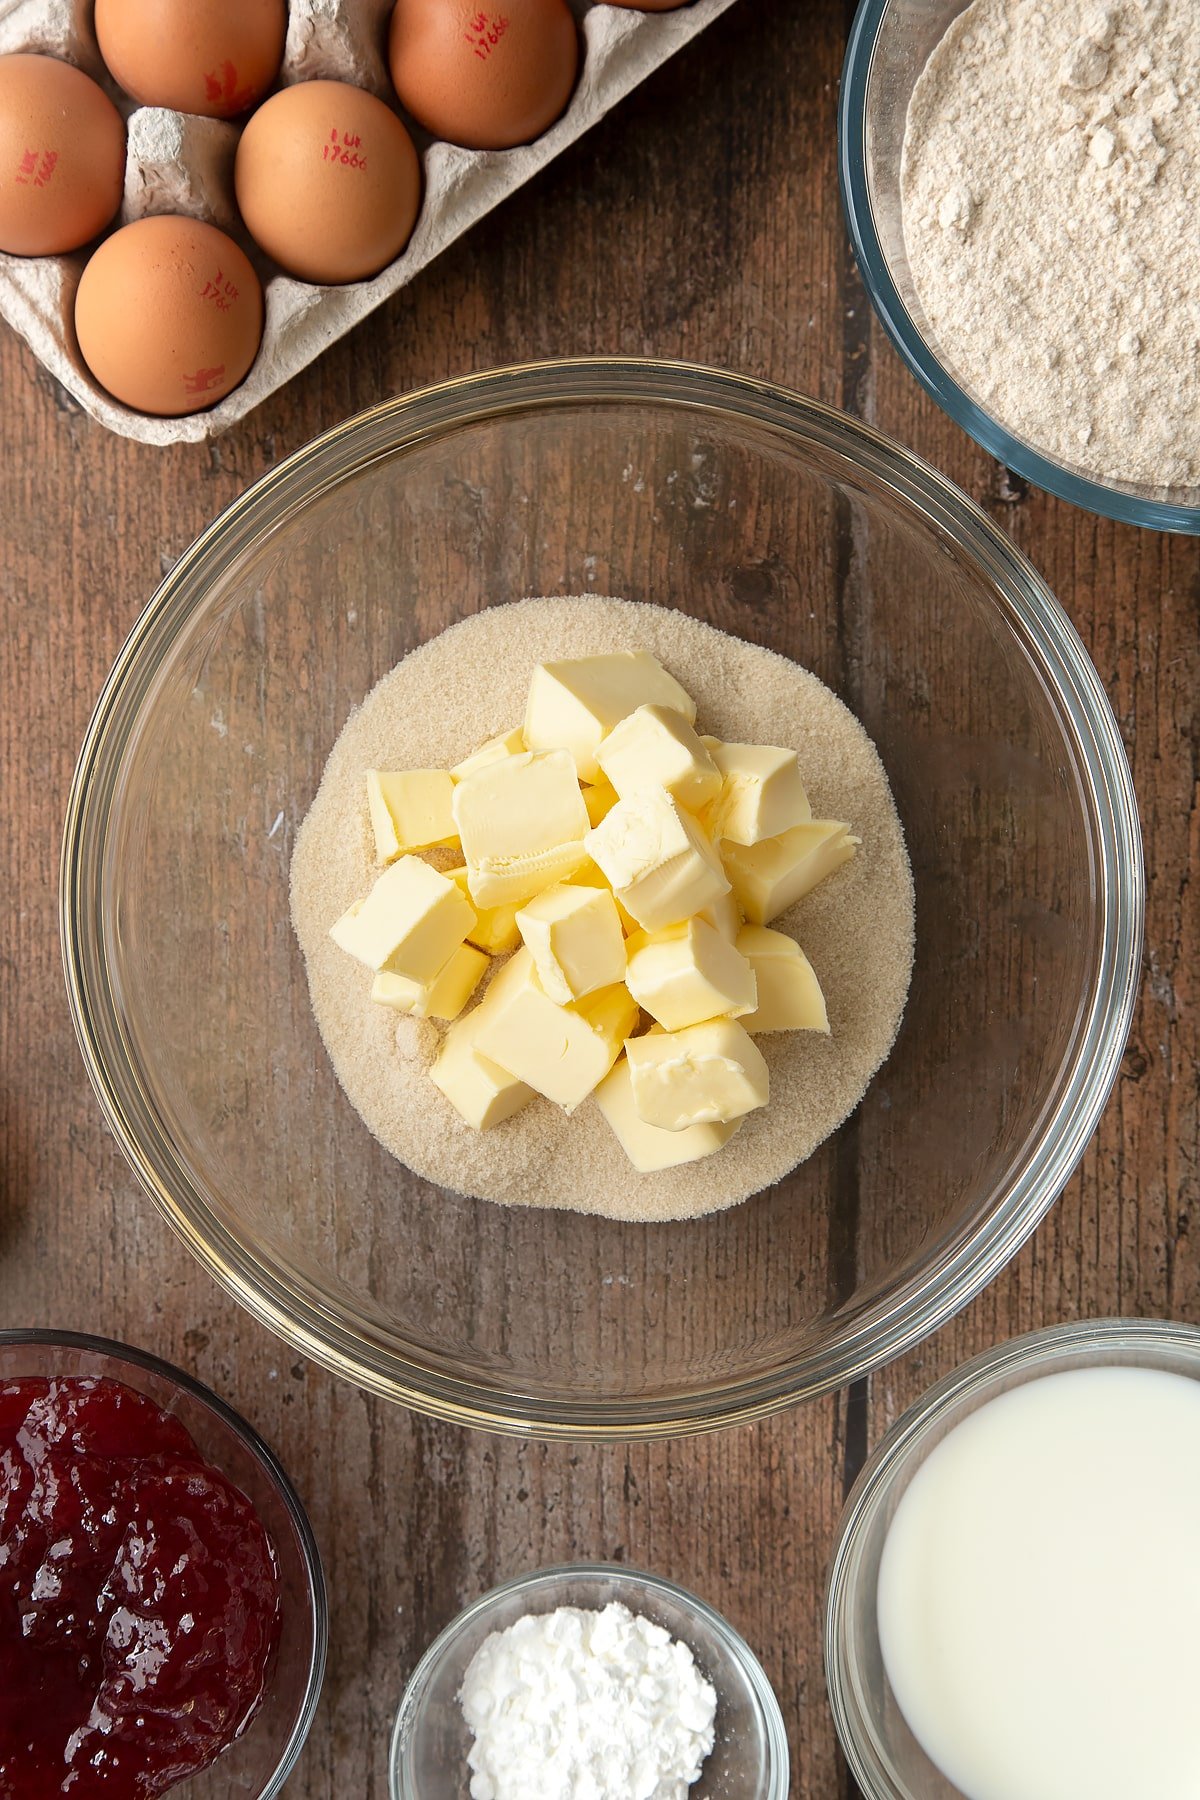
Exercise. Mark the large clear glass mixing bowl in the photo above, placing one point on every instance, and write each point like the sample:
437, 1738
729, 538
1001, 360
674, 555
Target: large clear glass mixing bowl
787, 524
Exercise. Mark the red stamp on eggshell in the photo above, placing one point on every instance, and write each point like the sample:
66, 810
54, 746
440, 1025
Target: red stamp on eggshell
484, 32
220, 291
36, 167
203, 380
344, 149
221, 90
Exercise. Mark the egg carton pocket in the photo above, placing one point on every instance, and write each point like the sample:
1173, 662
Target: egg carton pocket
178, 163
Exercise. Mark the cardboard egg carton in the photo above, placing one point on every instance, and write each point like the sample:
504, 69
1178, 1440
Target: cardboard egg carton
180, 163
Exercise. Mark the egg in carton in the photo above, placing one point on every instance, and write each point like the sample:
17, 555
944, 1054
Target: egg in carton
181, 163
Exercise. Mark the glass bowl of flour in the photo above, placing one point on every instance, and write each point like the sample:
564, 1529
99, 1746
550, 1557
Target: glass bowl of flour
598, 1674
1019, 185
568, 1303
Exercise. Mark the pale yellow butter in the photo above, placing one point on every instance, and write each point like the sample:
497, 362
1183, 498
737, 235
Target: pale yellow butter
707, 1074
658, 747
574, 704
724, 915
574, 935
656, 859
599, 799
648, 1148
761, 793
495, 927
562, 1052
769, 877
522, 822
443, 998
509, 743
410, 923
479, 1089
789, 994
688, 973
410, 810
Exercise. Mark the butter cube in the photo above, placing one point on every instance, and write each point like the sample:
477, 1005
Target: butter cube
411, 922
658, 747
562, 1052
724, 915
574, 936
444, 998
656, 859
479, 1089
410, 810
689, 973
769, 877
789, 994
574, 704
761, 793
708, 1074
509, 743
599, 799
495, 927
522, 822
647, 1147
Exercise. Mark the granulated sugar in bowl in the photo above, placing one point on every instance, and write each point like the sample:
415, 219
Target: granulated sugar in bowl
724, 503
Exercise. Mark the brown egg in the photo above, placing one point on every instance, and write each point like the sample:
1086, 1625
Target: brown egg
214, 57
328, 181
489, 76
169, 315
62, 156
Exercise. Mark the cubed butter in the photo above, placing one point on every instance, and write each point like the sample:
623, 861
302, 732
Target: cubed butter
769, 877
411, 922
522, 822
509, 743
688, 973
708, 1074
444, 998
562, 1052
479, 1089
648, 1148
574, 704
789, 994
658, 747
410, 810
761, 793
656, 859
599, 799
575, 938
495, 927
724, 915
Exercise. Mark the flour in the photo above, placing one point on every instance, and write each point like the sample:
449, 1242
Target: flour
1050, 188
578, 1705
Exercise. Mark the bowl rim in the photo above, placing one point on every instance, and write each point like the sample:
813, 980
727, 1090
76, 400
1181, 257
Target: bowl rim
926, 1299
1051, 1349
532, 1584
915, 350
133, 1358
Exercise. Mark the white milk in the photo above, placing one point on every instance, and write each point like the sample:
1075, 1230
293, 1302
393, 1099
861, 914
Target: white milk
1039, 1593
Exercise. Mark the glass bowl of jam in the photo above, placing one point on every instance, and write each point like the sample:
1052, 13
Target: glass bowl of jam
163, 1618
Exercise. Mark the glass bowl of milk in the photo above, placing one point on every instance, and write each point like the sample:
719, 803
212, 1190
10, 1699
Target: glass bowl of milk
1013, 1600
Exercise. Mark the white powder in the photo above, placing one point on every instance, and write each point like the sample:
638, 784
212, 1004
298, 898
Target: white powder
857, 928
578, 1705
1051, 190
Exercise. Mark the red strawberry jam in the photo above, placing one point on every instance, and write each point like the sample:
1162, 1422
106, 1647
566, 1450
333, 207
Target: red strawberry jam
139, 1598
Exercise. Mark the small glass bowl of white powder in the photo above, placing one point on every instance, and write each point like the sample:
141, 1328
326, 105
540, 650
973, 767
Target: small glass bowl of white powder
556, 1650
1019, 187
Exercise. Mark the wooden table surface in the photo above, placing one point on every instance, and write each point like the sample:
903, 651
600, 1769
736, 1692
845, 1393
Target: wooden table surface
700, 220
